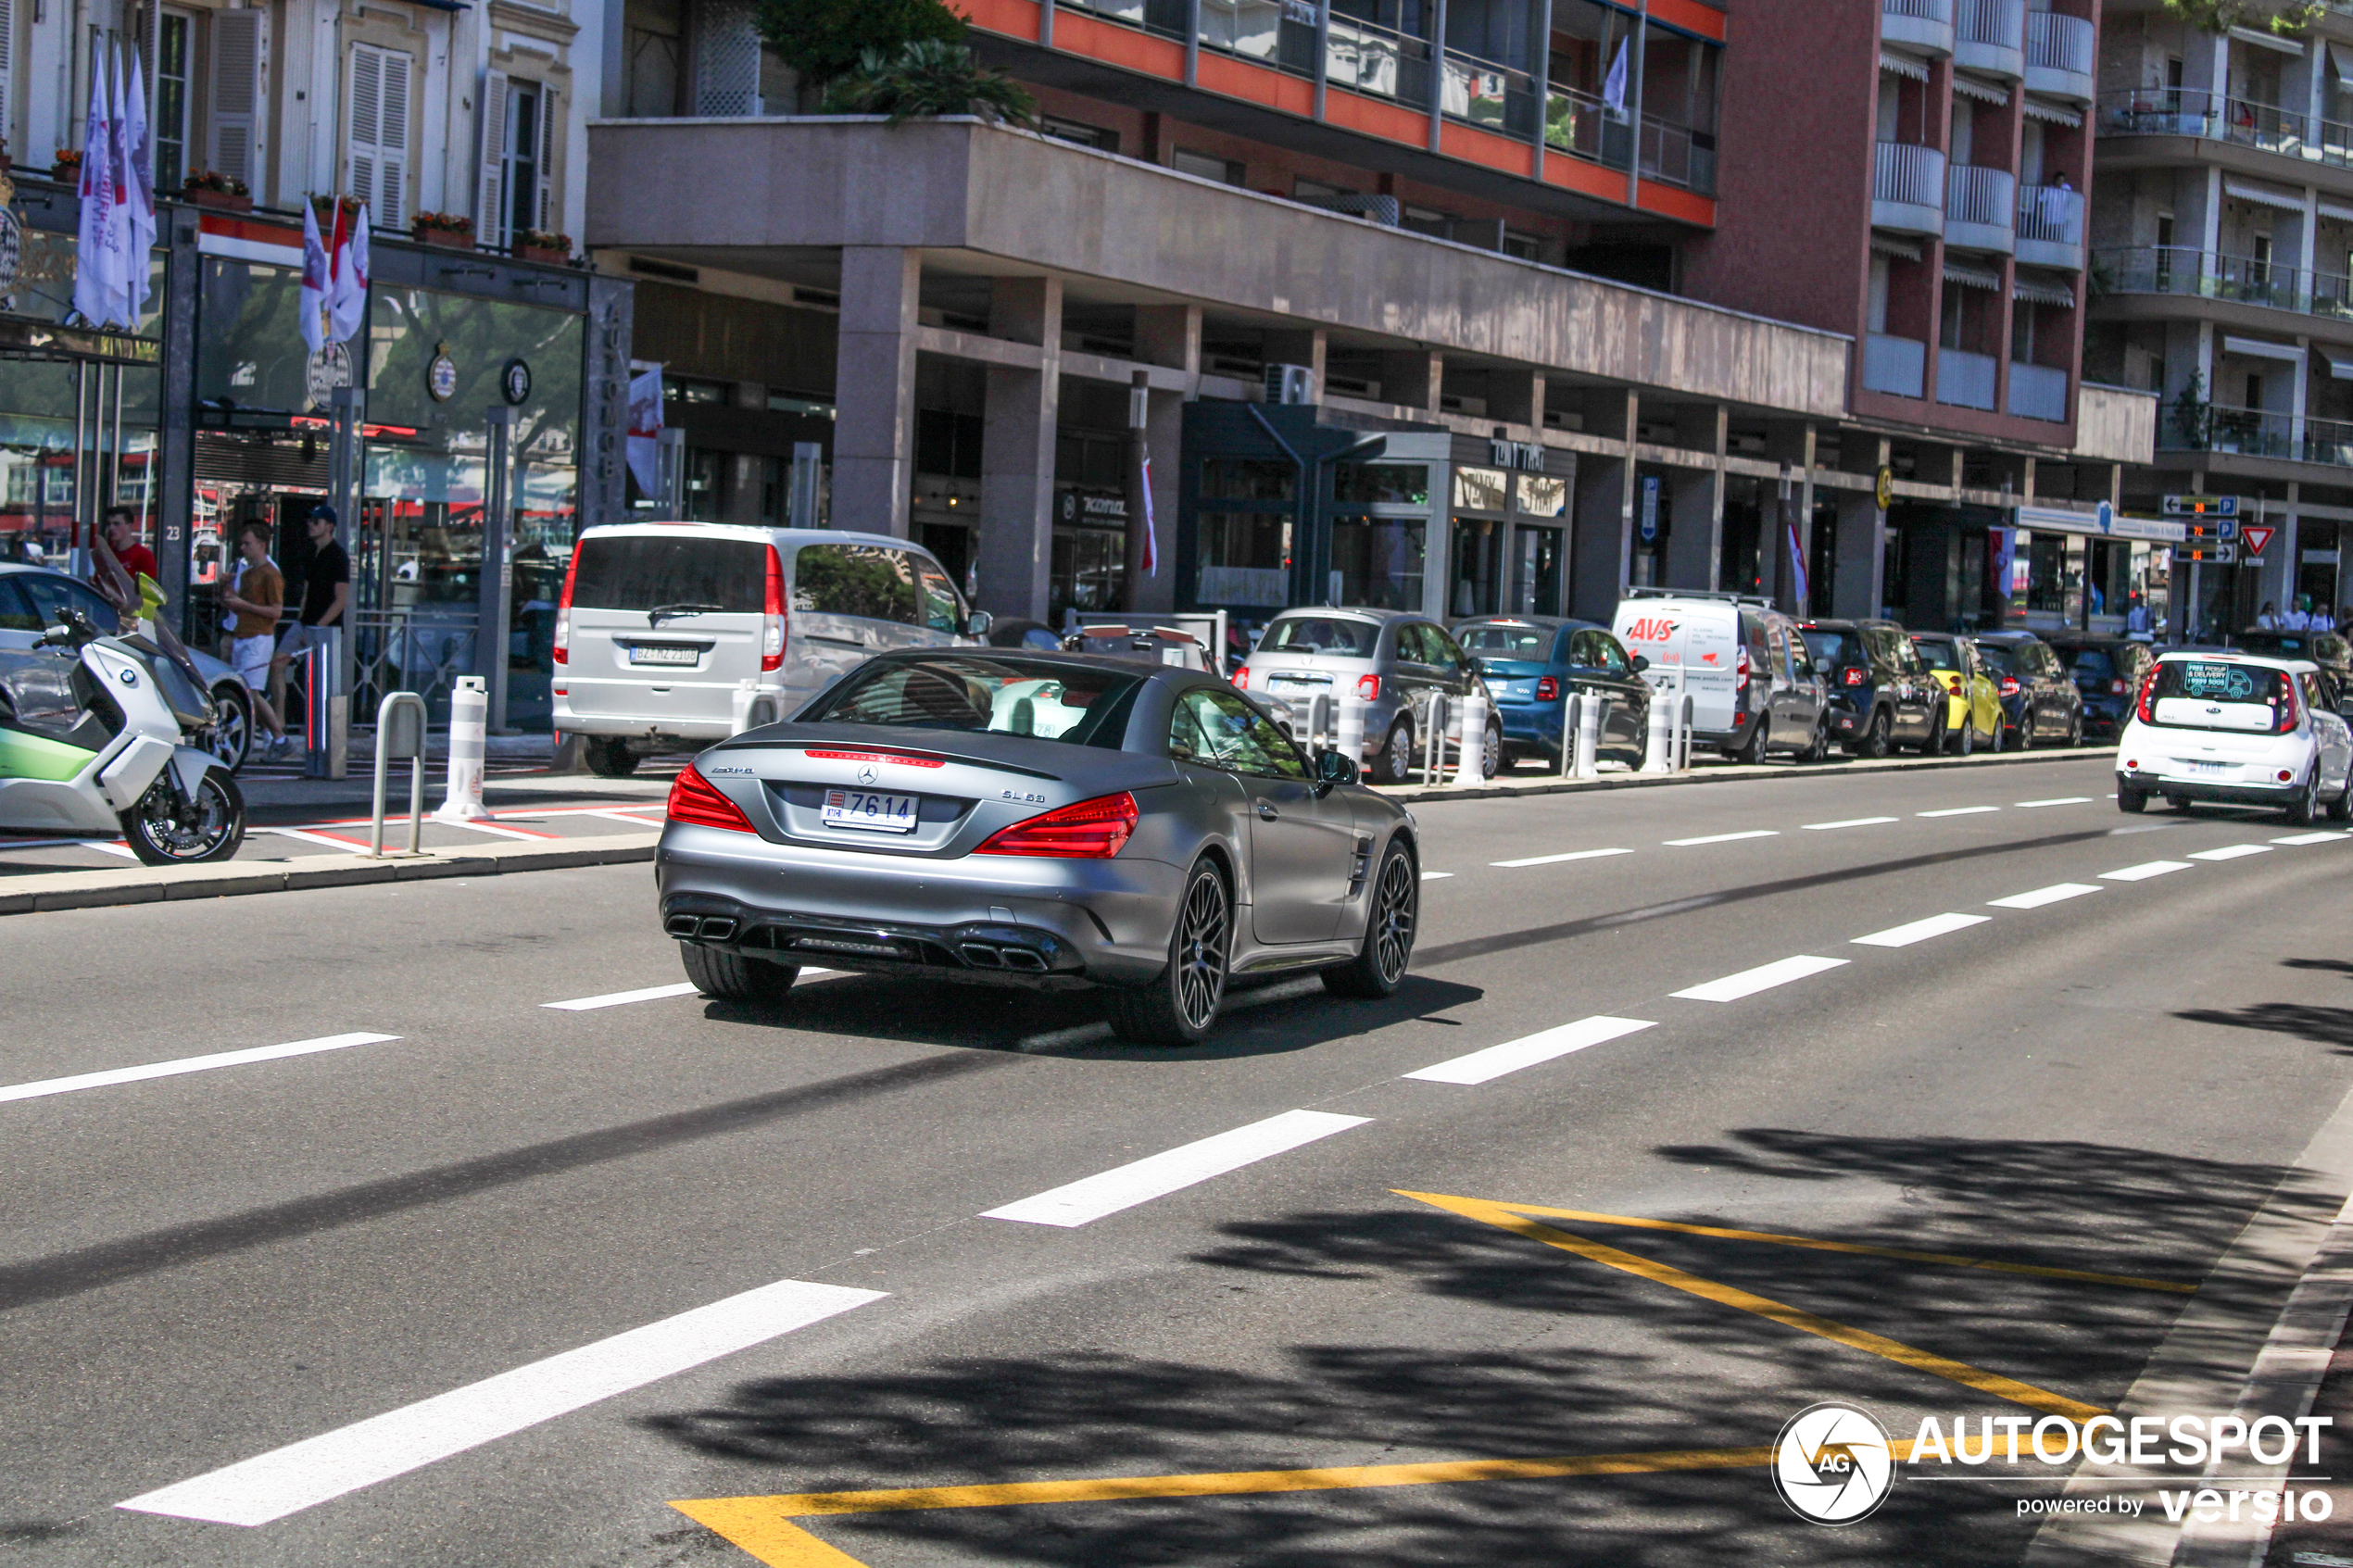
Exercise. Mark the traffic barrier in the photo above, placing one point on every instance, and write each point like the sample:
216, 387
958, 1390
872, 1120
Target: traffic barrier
1470, 756
1685, 706
1349, 736
1572, 717
468, 726
400, 732
1434, 743
1658, 739
754, 706
1588, 737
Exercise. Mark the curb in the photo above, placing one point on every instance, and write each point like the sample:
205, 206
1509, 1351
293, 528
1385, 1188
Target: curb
1729, 774
156, 884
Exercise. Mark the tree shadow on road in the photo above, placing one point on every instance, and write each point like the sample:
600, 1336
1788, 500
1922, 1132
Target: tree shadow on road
2330, 1026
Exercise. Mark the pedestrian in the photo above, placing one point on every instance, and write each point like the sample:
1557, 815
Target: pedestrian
257, 600
2269, 620
326, 594
122, 538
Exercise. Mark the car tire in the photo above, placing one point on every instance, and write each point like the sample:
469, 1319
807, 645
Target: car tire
609, 756
1995, 745
1818, 749
1180, 1007
1396, 759
1932, 743
2075, 729
1490, 760
1380, 965
2341, 808
2026, 731
230, 736
1752, 751
731, 977
2130, 799
1876, 738
2307, 805
1968, 746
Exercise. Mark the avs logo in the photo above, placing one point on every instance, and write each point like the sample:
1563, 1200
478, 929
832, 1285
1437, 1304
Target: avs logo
1832, 1463
1650, 629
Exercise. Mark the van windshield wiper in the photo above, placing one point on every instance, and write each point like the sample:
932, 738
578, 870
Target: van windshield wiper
660, 613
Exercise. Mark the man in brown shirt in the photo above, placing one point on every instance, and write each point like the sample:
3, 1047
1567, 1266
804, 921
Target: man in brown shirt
258, 598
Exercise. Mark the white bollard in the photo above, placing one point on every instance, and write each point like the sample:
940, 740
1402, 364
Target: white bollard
1658, 749
1434, 746
1685, 708
1473, 755
1589, 738
469, 722
1350, 729
1572, 720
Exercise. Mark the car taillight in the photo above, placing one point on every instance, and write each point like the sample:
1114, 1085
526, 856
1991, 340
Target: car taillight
1547, 688
2148, 689
563, 610
1241, 676
1852, 675
1740, 665
2289, 715
2286, 777
1368, 688
2009, 686
2116, 688
693, 798
1090, 830
1956, 685
771, 616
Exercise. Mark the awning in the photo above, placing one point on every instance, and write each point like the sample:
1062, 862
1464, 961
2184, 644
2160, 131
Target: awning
1902, 65
2263, 196
2341, 57
2043, 291
2261, 348
1973, 277
1888, 245
2052, 114
1984, 92
2267, 41
2339, 361
2337, 210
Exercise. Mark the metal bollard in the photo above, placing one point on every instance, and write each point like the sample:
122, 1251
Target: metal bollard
1589, 738
1349, 739
400, 728
1572, 726
469, 723
753, 706
1658, 740
1684, 710
1434, 745
1471, 758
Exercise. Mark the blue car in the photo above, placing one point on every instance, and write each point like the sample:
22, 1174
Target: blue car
1533, 664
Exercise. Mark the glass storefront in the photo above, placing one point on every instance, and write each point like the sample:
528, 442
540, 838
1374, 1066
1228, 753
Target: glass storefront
1377, 561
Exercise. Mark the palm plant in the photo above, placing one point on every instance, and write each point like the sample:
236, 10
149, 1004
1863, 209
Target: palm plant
928, 78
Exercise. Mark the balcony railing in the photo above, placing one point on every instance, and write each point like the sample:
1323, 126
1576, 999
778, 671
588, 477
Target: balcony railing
2255, 432
1490, 94
1164, 16
2056, 41
2188, 111
2038, 391
1895, 364
1981, 204
1990, 35
1907, 188
1675, 154
2050, 226
1923, 25
1580, 125
2240, 280
1965, 380
1379, 62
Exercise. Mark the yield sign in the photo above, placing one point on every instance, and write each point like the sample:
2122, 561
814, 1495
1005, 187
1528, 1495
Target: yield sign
2257, 535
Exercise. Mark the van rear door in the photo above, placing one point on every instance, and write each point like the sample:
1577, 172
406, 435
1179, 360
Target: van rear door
664, 624
1711, 665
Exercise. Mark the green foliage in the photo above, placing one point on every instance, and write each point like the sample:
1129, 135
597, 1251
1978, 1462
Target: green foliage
928, 78
2193, 415
2219, 17
823, 39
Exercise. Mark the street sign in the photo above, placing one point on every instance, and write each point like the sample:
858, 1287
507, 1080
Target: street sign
2201, 506
2255, 535
2208, 552
1650, 508
2211, 528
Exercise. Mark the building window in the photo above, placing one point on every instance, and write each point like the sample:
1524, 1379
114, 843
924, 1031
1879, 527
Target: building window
1248, 479
703, 495
1245, 559
1185, 160
1099, 137
654, 28
527, 156
376, 163
518, 121
172, 60
1373, 483
1527, 248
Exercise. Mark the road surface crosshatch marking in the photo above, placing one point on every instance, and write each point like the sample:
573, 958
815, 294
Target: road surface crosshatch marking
765, 1527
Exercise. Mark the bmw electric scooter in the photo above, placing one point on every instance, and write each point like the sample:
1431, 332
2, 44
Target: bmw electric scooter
112, 760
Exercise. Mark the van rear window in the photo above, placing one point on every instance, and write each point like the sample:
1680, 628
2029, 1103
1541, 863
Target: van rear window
642, 571
2216, 695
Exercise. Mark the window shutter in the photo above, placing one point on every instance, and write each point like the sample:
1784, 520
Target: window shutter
367, 110
490, 179
7, 64
547, 123
240, 59
391, 206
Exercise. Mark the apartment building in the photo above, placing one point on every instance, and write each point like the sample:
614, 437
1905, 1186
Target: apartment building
462, 130
1486, 305
2222, 228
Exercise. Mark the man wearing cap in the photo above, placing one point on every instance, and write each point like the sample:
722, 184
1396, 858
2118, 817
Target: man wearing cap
326, 591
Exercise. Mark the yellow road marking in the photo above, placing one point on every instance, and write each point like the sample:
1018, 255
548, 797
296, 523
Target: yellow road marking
1984, 1382
1954, 1259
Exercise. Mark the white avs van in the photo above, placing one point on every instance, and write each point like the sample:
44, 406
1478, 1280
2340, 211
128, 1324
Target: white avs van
660, 621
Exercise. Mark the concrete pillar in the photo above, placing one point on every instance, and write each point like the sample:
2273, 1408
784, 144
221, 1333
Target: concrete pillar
1170, 336
1516, 396
1695, 534
1601, 513
1412, 377
1301, 347
1015, 546
875, 382
1858, 592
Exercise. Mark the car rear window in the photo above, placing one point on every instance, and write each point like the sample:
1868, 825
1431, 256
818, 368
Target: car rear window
1508, 650
2090, 661
1322, 633
1939, 651
1832, 649
640, 572
2216, 695
992, 694
1999, 657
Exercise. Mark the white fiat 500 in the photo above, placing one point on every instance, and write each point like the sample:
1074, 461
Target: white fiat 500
2237, 730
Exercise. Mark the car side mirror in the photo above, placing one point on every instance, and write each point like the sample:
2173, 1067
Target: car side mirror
977, 623
1640, 663
1474, 666
1337, 768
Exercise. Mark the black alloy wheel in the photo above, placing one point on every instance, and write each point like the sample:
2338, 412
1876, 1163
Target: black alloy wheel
1877, 740
1180, 1007
162, 830
608, 757
1378, 967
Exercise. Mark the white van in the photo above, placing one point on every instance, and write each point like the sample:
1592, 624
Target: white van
660, 621
1752, 685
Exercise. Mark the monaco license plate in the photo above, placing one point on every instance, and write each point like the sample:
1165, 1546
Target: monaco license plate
868, 810
2209, 768
664, 653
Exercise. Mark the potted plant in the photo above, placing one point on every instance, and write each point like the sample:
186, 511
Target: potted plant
66, 168
452, 231
538, 245
223, 193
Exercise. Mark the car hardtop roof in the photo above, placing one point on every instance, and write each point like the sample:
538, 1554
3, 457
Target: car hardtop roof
2237, 656
1549, 622
2082, 639
2002, 637
751, 533
1358, 612
1055, 659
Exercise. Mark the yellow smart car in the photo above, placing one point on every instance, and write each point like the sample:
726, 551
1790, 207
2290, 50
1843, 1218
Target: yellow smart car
1974, 708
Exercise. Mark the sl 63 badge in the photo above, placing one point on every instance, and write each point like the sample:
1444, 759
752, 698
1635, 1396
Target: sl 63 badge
1024, 800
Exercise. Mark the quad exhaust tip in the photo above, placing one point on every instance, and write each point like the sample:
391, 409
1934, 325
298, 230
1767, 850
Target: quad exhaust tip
707, 928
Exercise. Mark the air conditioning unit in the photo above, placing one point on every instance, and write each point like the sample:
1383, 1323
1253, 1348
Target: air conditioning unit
1291, 383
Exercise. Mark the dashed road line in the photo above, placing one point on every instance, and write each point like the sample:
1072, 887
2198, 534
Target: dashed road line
272, 1485
2144, 870
46, 1086
1920, 930
1850, 822
2056, 800
2231, 852
1557, 859
1091, 1198
344, 842
1482, 1066
1958, 812
1435, 876
1722, 838
1764, 977
2314, 839
615, 999
2043, 895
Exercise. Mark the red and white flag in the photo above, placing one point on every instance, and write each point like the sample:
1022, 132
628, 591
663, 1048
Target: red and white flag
347, 289
316, 282
1151, 533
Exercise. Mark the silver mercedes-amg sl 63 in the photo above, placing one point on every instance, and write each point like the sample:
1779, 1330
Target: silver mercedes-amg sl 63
1030, 819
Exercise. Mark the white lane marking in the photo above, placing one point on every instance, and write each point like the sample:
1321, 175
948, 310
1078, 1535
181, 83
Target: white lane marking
1157, 1176
1958, 811
2042, 895
1920, 930
615, 999
109, 846
1748, 982
333, 841
2231, 852
1527, 1051
1557, 859
187, 1064
1850, 822
305, 1474
2056, 800
2144, 870
2313, 838
1722, 838
527, 834
1435, 876
651, 816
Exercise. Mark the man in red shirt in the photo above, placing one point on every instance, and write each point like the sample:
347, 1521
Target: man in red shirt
123, 537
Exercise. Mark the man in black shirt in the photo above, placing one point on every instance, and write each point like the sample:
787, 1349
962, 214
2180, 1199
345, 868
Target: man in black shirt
326, 594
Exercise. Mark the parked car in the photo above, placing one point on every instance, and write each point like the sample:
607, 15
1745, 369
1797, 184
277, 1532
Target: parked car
660, 622
1393, 661
2039, 699
2330, 651
1974, 708
30, 601
1044, 821
2108, 673
1535, 663
1754, 686
2237, 729
1883, 693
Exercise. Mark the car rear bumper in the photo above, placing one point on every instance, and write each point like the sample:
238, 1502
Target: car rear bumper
2217, 792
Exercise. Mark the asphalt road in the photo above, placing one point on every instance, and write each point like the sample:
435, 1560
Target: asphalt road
204, 1270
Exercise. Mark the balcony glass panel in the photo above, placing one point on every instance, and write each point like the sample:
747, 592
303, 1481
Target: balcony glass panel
1164, 16
1675, 154
1579, 124
2038, 391
1895, 364
1274, 32
2255, 432
1965, 380
1379, 61
1489, 95
2184, 111
2242, 280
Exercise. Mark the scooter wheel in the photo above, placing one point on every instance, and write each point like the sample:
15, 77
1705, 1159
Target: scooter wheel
162, 834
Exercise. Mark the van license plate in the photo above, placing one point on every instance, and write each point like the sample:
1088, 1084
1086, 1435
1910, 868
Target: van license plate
663, 653
868, 811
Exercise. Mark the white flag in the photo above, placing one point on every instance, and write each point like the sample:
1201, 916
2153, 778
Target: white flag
141, 185
644, 431
130, 258
312, 298
1613, 85
96, 291
348, 291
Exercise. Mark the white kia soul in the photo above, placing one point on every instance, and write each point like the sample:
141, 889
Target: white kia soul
2238, 731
